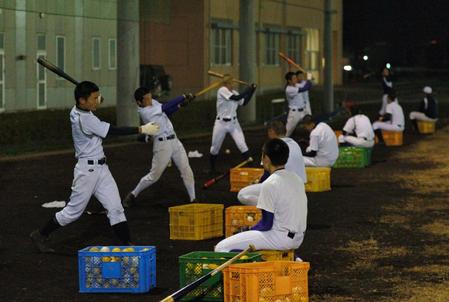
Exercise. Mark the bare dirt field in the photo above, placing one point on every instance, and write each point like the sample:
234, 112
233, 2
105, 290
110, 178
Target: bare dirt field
381, 234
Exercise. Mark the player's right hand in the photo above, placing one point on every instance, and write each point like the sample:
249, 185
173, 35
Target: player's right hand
150, 128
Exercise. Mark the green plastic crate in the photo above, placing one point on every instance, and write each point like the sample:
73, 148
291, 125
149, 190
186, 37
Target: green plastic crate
353, 157
196, 264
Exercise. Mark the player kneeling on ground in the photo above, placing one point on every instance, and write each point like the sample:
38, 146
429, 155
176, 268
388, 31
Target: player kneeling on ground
428, 109
295, 163
323, 147
283, 202
392, 120
358, 130
166, 145
91, 175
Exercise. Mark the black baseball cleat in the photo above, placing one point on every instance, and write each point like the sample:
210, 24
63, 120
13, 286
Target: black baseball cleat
129, 200
40, 242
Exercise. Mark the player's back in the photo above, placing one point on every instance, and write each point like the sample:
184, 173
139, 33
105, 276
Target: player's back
327, 141
295, 162
397, 114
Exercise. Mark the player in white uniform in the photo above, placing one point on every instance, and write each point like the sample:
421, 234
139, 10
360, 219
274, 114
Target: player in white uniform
323, 147
358, 130
387, 86
301, 84
392, 120
91, 174
295, 163
296, 99
166, 146
283, 202
428, 108
226, 121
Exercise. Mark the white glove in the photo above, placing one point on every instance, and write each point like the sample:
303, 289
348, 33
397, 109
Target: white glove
150, 128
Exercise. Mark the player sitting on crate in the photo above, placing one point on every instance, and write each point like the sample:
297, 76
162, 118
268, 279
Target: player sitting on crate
428, 109
295, 163
358, 130
283, 203
392, 120
323, 146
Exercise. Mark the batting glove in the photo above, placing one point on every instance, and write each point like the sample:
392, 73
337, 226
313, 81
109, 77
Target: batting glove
150, 128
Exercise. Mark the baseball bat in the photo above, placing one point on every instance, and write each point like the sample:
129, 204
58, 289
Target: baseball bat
219, 75
52, 67
186, 289
210, 87
291, 62
210, 182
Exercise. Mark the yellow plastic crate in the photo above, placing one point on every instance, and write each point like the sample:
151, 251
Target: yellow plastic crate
318, 179
392, 138
242, 177
196, 221
274, 255
240, 217
267, 282
426, 127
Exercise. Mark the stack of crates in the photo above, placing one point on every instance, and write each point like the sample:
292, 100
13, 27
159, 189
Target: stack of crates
242, 177
240, 218
196, 221
196, 264
117, 269
426, 127
267, 282
353, 157
318, 179
392, 138
274, 255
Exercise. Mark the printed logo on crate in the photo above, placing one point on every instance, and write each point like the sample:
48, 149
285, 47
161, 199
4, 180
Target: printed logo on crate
353, 157
123, 269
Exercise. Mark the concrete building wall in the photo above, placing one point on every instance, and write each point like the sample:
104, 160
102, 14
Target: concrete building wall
78, 22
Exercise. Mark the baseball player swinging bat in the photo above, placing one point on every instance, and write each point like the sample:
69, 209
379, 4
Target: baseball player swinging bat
219, 75
291, 62
210, 182
189, 287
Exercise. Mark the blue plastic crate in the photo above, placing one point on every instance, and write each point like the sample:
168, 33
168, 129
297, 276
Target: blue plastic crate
117, 272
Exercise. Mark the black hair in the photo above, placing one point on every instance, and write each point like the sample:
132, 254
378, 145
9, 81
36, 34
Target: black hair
392, 94
307, 119
277, 151
84, 90
354, 110
140, 92
278, 127
298, 72
289, 75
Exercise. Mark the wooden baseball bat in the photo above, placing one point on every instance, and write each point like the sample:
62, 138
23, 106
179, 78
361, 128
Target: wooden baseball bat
210, 87
186, 289
52, 67
210, 182
219, 75
291, 62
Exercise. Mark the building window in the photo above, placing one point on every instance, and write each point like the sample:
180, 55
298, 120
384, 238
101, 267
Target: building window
294, 46
41, 42
272, 48
2, 73
41, 88
112, 54
221, 47
96, 53
60, 52
312, 51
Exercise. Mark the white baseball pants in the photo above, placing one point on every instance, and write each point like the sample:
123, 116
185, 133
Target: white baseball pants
318, 162
383, 108
249, 194
163, 151
91, 180
356, 141
221, 128
269, 240
293, 119
416, 115
386, 126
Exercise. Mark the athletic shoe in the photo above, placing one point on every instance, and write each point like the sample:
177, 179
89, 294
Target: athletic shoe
40, 242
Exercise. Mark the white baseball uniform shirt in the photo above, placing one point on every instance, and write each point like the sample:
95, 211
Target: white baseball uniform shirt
360, 125
305, 96
154, 113
397, 114
324, 142
295, 99
227, 108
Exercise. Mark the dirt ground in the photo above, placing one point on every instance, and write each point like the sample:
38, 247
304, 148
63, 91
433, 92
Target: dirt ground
381, 234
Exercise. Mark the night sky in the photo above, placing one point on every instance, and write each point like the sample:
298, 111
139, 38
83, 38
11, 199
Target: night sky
403, 32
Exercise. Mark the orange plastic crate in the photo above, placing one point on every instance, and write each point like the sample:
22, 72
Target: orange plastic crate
392, 138
267, 282
242, 177
318, 179
238, 217
196, 221
275, 255
426, 127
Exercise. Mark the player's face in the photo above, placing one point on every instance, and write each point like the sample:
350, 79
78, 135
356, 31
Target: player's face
266, 162
271, 134
385, 72
147, 100
293, 80
91, 102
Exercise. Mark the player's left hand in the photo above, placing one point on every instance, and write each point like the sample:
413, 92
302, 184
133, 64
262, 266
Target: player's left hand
188, 97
